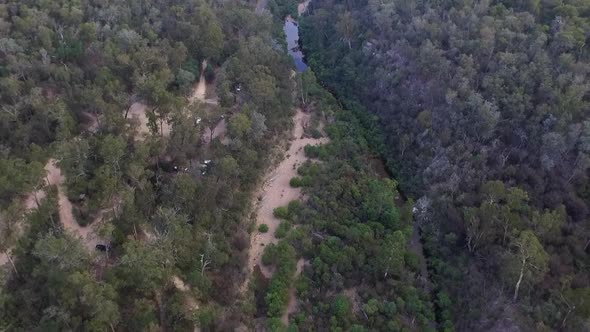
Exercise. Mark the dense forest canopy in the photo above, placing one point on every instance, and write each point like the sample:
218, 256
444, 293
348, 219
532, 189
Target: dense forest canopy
484, 105
446, 187
135, 220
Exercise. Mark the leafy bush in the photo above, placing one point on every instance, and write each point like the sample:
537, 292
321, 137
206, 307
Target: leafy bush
209, 73
282, 230
281, 212
412, 260
309, 168
315, 151
263, 228
294, 207
298, 182
269, 255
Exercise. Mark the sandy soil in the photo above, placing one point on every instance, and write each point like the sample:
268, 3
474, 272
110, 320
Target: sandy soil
200, 89
292, 307
302, 7
218, 132
33, 199
191, 304
4, 258
138, 114
179, 284
276, 192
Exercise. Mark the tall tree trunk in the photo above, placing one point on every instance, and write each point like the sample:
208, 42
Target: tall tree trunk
12, 263
161, 311
517, 287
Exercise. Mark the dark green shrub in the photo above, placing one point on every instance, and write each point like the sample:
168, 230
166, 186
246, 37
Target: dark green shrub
282, 230
412, 260
263, 228
269, 255
296, 182
209, 73
294, 207
312, 151
281, 212
315, 133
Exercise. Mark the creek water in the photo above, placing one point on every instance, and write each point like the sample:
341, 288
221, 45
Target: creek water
291, 29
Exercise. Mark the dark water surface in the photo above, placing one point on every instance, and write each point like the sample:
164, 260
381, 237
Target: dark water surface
292, 32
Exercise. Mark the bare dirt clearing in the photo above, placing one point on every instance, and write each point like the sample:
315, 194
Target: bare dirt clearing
138, 114
219, 131
138, 111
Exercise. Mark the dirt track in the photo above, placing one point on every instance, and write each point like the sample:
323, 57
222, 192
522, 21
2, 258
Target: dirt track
54, 176
201, 87
200, 90
88, 234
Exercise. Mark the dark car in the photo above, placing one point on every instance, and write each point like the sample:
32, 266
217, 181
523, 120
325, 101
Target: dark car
102, 247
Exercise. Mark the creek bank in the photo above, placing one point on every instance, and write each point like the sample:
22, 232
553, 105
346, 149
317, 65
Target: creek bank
276, 192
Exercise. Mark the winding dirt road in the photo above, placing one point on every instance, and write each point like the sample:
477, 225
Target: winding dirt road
88, 235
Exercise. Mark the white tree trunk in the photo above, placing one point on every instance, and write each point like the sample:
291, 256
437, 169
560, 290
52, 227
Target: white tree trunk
517, 287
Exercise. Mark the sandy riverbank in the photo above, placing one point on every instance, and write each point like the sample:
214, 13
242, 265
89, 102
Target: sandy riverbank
277, 192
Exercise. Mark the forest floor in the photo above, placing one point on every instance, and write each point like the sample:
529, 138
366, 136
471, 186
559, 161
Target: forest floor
219, 131
138, 111
138, 114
